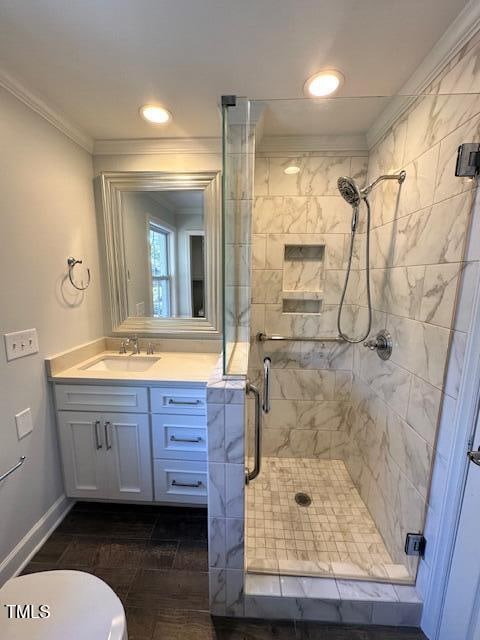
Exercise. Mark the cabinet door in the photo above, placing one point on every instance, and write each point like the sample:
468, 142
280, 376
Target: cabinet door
128, 456
83, 454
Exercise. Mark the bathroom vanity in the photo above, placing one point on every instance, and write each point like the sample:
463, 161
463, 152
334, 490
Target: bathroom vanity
133, 427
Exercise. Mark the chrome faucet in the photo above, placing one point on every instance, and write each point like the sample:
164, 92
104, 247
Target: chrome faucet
133, 342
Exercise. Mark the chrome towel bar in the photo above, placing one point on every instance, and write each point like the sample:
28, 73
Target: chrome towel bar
263, 337
19, 464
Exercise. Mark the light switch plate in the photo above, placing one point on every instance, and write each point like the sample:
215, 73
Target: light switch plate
21, 343
24, 423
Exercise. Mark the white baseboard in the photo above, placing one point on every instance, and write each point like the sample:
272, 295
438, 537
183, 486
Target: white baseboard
28, 546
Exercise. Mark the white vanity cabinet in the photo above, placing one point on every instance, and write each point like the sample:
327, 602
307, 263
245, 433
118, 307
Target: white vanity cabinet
106, 455
137, 444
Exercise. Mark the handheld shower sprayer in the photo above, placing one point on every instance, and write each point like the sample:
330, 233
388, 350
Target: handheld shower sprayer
351, 193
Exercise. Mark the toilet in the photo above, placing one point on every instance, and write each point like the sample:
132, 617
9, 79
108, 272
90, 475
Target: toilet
81, 606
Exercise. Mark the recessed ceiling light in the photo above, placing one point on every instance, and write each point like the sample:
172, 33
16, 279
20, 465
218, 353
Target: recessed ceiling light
291, 169
323, 83
155, 114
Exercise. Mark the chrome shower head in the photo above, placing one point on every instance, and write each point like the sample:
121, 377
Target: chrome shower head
349, 190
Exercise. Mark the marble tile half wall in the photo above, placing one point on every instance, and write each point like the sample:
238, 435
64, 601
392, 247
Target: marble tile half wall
226, 492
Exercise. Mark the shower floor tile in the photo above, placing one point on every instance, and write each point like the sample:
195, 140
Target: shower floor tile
334, 535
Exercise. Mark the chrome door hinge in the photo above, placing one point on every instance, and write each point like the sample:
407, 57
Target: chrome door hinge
415, 544
468, 160
474, 456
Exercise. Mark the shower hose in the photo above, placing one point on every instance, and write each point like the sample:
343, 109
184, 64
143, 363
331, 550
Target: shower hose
347, 277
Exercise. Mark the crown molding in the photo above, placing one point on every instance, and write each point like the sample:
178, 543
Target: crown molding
346, 145
155, 146
52, 116
458, 34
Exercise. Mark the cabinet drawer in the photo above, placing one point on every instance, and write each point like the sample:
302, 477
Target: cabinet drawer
186, 401
179, 436
80, 397
180, 481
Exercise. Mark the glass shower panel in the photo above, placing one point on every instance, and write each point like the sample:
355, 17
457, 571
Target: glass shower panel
350, 444
238, 163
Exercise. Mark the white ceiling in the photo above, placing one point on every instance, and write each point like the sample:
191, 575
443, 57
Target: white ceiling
97, 61
179, 201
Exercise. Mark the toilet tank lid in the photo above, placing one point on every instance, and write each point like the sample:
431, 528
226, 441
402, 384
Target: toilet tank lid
80, 606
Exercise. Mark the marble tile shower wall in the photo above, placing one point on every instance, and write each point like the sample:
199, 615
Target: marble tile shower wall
421, 266
310, 384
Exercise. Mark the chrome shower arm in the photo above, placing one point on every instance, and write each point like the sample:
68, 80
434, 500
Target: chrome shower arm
399, 177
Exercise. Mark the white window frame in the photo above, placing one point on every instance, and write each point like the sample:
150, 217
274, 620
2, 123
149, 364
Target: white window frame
171, 239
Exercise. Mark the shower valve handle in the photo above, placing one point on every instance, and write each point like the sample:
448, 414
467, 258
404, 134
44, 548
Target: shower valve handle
372, 344
382, 344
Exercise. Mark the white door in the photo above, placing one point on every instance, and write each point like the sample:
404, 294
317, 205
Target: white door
128, 456
461, 614
83, 449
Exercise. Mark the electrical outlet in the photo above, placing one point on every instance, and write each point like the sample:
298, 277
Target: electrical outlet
21, 343
24, 423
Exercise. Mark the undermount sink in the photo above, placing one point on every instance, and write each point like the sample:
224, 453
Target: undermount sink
122, 363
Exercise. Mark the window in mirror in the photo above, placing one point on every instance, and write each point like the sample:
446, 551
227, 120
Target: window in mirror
160, 270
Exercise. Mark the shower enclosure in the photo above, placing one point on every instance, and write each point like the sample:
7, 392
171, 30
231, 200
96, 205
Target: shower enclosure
350, 440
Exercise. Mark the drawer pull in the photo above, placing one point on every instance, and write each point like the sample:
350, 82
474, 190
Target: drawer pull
185, 402
107, 437
193, 485
175, 439
98, 442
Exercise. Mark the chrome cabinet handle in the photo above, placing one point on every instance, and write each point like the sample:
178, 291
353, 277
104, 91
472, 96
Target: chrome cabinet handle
267, 363
175, 439
251, 475
184, 402
98, 441
194, 485
107, 437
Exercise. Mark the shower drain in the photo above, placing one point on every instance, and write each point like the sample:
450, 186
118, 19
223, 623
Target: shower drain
303, 499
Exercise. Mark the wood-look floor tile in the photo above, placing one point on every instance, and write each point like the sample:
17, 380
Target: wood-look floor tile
119, 579
140, 623
159, 554
118, 552
192, 555
53, 548
176, 589
243, 629
180, 527
36, 567
83, 551
175, 624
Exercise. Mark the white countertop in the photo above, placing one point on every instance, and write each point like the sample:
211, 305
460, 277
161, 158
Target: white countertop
170, 367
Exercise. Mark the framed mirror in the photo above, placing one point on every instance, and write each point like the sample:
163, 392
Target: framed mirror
161, 239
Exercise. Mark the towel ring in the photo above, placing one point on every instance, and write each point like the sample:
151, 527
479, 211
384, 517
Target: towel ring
72, 262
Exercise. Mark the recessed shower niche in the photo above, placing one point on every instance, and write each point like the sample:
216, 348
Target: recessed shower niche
303, 278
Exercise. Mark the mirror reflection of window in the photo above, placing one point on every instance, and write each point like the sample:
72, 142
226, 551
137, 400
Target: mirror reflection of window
161, 274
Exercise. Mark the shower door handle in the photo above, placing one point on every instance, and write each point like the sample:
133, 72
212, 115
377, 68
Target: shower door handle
267, 363
251, 475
